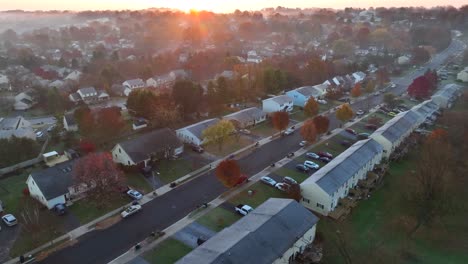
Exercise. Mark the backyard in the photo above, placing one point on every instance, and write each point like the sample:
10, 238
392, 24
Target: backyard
171, 170
230, 145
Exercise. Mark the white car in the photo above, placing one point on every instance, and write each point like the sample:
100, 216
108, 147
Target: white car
9, 220
289, 131
289, 180
311, 165
39, 134
243, 209
267, 180
312, 155
359, 112
303, 143
135, 194
322, 102
131, 210
282, 186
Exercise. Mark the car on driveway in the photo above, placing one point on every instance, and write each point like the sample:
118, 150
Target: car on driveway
136, 195
132, 209
301, 167
303, 143
268, 181
325, 154
197, 148
289, 180
351, 131
363, 136
312, 155
392, 114
311, 165
9, 220
325, 159
359, 112
243, 209
282, 186
39, 134
60, 209
288, 132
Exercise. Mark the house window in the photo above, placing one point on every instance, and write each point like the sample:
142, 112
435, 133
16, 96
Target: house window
320, 205
306, 200
128, 162
120, 151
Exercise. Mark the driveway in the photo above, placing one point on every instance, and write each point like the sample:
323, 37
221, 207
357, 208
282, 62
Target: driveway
190, 234
8, 236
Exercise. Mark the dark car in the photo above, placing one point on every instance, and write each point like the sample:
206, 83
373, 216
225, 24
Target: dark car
346, 143
60, 209
363, 136
302, 168
325, 154
325, 159
351, 131
198, 149
371, 127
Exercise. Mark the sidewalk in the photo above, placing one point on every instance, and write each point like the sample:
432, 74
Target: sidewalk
150, 243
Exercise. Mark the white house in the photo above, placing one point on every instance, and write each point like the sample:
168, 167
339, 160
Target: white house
322, 191
193, 134
69, 123
358, 76
247, 117
301, 95
74, 76
88, 95
396, 130
16, 126
278, 103
252, 57
403, 60
131, 85
447, 95
54, 185
463, 75
275, 232
4, 82
24, 101
161, 143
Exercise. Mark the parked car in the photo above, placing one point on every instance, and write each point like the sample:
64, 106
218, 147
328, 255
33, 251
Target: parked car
311, 165
392, 114
197, 148
325, 159
60, 209
268, 181
289, 180
312, 155
52, 127
282, 186
302, 168
322, 102
243, 209
135, 194
288, 132
371, 126
363, 136
359, 112
346, 143
325, 154
351, 131
9, 220
245, 131
393, 85
39, 134
385, 109
303, 143
242, 179
396, 110
132, 209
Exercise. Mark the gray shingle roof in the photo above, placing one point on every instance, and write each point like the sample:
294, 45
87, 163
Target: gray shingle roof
308, 91
246, 115
135, 82
140, 148
87, 90
262, 236
401, 124
280, 99
198, 128
56, 180
70, 118
333, 175
448, 91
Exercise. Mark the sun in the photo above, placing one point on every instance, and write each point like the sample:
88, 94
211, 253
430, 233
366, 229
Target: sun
194, 6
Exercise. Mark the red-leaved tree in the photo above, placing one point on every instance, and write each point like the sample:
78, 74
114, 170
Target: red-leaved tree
280, 120
322, 123
356, 91
228, 173
419, 88
308, 131
99, 176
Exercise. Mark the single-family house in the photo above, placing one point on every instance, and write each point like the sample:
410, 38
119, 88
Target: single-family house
322, 191
118, 90
301, 95
167, 81
463, 75
247, 117
24, 101
74, 76
54, 185
359, 76
139, 123
278, 103
396, 130
276, 232
253, 57
4, 82
161, 143
69, 122
447, 95
193, 134
131, 85
16, 126
88, 95
403, 60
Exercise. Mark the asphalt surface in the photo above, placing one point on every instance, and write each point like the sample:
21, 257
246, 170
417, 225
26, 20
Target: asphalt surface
102, 246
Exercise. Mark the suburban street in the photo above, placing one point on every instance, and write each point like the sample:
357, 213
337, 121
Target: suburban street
105, 245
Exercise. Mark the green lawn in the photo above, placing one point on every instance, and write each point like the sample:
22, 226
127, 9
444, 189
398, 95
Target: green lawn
87, 211
59, 147
298, 115
11, 190
230, 145
295, 174
261, 193
138, 182
219, 218
264, 129
168, 252
171, 170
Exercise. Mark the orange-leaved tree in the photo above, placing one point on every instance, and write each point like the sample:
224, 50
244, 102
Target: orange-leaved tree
344, 113
322, 123
280, 120
311, 108
228, 172
356, 91
308, 131
438, 134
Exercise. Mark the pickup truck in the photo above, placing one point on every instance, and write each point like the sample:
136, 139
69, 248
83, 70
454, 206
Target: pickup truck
243, 209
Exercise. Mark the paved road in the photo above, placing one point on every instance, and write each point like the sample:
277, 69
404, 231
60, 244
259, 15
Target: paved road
105, 245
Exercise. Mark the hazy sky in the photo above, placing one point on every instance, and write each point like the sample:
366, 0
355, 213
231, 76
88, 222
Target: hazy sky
213, 5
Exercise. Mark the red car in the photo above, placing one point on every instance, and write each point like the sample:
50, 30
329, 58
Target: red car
371, 126
325, 154
242, 179
351, 131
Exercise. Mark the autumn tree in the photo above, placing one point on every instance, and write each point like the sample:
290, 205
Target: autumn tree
308, 131
342, 48
438, 134
219, 132
419, 88
356, 91
85, 120
375, 121
187, 95
370, 87
362, 37
420, 55
228, 173
389, 99
311, 108
322, 123
140, 102
344, 113
380, 37
280, 120
382, 76
294, 192
109, 122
